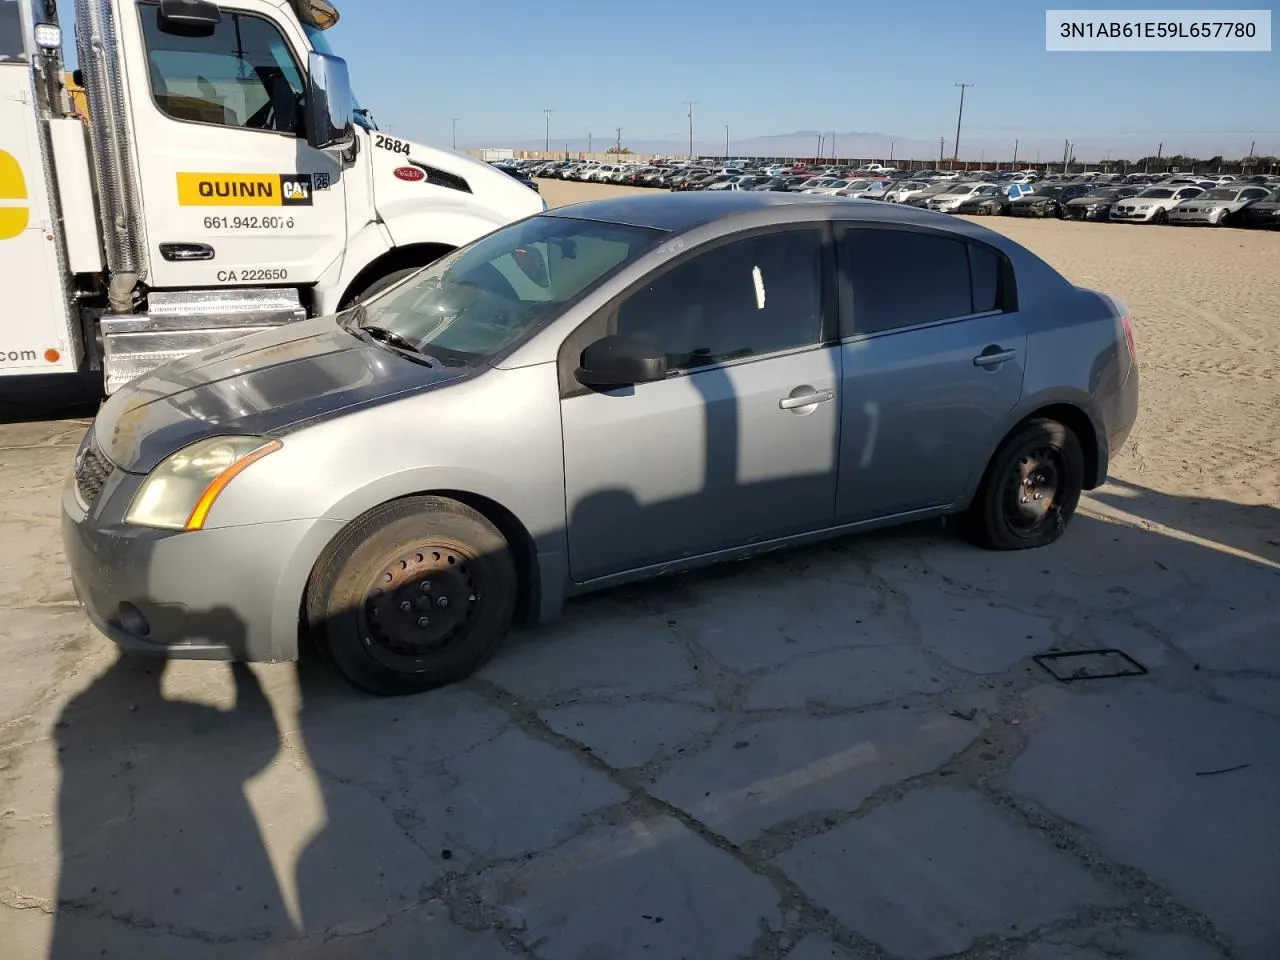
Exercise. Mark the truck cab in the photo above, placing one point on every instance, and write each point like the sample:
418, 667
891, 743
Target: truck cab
221, 178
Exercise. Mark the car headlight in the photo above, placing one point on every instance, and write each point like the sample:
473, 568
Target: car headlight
179, 493
1144, 206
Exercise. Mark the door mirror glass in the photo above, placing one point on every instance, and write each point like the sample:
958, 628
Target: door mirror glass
330, 109
620, 362
189, 18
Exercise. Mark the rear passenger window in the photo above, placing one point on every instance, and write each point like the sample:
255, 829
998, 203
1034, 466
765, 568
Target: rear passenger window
984, 270
903, 278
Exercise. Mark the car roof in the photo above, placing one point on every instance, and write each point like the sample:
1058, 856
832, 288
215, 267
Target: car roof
681, 213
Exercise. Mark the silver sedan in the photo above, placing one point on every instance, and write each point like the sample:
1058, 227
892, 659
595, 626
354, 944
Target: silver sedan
1217, 207
597, 394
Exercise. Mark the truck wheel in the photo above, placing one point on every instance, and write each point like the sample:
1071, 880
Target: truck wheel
415, 594
1031, 489
382, 283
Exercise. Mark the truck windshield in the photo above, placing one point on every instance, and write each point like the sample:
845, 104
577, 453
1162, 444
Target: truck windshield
320, 44
485, 297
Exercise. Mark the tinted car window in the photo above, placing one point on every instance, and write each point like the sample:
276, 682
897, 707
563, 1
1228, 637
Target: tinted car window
10, 31
902, 278
743, 298
984, 268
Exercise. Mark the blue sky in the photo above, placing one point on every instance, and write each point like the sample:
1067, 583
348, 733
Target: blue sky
770, 68
767, 68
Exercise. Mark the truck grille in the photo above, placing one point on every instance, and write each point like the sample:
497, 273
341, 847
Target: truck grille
92, 472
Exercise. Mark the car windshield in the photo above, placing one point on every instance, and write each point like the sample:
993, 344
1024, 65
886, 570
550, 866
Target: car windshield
961, 188
1158, 194
483, 298
1218, 195
1048, 190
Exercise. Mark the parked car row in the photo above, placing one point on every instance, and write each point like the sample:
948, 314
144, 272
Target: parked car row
1185, 199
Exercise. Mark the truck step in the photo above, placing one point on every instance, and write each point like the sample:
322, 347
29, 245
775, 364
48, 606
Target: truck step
181, 322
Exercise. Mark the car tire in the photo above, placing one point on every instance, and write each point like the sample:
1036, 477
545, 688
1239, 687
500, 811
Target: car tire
394, 569
1160, 217
1224, 219
1040, 457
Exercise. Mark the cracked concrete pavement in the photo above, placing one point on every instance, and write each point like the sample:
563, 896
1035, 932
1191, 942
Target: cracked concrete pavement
838, 752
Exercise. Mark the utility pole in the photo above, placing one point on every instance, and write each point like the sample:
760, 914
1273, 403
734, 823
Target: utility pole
1159, 153
588, 144
454, 121
1066, 147
820, 139
619, 129
548, 111
1015, 154
942, 143
891, 143
726, 141
690, 104
960, 116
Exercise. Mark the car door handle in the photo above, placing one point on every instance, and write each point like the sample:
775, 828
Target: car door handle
806, 399
993, 356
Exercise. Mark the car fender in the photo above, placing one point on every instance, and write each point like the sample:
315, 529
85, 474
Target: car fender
1028, 405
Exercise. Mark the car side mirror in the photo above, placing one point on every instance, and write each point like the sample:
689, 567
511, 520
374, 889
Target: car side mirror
620, 362
330, 108
189, 18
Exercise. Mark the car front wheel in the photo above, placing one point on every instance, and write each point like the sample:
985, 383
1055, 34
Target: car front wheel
415, 594
1031, 488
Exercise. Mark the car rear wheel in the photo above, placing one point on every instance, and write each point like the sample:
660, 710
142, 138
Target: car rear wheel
1031, 488
415, 594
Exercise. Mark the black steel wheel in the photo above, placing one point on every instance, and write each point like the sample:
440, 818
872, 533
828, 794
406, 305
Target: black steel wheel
415, 594
1030, 490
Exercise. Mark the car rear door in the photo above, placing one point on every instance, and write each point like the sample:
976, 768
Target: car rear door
933, 353
738, 443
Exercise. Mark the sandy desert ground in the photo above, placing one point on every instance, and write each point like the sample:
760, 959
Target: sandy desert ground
847, 751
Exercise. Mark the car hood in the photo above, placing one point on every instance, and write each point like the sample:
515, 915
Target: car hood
262, 384
1264, 206
1091, 201
1029, 198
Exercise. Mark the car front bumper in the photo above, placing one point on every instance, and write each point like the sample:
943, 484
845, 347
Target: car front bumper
1266, 220
229, 593
1192, 218
1087, 213
1135, 217
1040, 210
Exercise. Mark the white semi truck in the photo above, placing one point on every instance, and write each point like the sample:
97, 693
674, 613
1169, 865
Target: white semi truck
219, 178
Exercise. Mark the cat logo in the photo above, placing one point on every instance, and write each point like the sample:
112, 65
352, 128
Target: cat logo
244, 189
13, 219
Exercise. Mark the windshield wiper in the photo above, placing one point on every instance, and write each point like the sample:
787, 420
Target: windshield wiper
385, 336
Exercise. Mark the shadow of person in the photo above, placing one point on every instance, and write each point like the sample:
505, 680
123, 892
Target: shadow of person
157, 838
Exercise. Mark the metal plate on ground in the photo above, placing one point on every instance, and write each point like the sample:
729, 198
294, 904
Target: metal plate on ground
1104, 664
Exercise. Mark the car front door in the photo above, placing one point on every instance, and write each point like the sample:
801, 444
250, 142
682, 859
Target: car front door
933, 351
738, 443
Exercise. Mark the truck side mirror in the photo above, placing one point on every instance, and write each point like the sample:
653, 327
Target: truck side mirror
189, 18
330, 109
